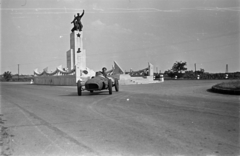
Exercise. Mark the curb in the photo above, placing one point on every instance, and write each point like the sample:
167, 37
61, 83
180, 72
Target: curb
225, 91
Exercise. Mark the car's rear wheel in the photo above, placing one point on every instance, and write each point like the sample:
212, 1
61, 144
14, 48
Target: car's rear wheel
116, 85
110, 86
79, 88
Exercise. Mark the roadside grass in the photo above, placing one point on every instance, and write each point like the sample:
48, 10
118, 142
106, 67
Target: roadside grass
232, 85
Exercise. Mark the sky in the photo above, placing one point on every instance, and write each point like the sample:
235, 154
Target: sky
36, 34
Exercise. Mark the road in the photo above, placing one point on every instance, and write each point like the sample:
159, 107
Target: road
165, 119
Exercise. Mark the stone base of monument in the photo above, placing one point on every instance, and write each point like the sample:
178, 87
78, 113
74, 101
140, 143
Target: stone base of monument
126, 79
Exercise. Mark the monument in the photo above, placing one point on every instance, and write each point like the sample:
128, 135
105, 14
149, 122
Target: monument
76, 56
76, 64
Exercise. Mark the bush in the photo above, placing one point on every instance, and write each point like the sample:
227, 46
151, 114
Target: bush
211, 76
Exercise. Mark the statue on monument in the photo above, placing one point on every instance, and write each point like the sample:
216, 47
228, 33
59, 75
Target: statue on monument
77, 22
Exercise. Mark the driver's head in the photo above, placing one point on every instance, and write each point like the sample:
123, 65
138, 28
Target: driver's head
104, 69
78, 14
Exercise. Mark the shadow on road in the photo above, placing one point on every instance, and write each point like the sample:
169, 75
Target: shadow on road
88, 93
211, 91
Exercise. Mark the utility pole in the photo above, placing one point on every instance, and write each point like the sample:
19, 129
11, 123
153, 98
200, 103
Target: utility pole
18, 72
226, 68
195, 65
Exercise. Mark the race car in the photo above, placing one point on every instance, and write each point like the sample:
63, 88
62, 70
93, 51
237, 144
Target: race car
97, 83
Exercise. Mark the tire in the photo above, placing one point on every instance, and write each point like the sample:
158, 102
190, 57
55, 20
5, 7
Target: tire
116, 85
110, 86
91, 91
79, 88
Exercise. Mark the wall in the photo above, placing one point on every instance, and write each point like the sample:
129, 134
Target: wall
66, 80
70, 80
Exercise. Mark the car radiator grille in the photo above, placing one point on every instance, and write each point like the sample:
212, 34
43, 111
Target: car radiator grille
92, 86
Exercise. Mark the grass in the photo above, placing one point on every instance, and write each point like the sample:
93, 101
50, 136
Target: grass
232, 85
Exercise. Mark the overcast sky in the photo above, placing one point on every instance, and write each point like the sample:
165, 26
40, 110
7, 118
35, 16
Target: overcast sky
35, 33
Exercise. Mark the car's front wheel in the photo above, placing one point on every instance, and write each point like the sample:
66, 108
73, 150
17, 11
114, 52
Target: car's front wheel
79, 88
116, 85
110, 86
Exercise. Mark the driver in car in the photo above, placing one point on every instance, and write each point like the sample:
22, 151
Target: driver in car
104, 72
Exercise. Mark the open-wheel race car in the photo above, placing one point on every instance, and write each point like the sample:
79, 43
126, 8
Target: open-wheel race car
97, 83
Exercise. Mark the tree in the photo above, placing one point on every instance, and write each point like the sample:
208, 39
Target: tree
7, 75
189, 75
178, 67
200, 72
169, 73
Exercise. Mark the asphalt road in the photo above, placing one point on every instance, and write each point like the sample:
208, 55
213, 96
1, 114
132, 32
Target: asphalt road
170, 118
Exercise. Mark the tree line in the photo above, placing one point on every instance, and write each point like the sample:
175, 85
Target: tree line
8, 76
180, 71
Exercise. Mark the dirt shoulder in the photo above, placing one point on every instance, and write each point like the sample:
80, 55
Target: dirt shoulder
5, 139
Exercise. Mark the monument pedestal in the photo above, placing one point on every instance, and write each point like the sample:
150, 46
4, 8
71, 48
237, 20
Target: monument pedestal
77, 53
70, 60
150, 69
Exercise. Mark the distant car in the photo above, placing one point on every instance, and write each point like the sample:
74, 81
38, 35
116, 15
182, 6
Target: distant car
97, 83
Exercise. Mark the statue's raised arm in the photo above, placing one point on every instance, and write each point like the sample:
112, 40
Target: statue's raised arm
82, 14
